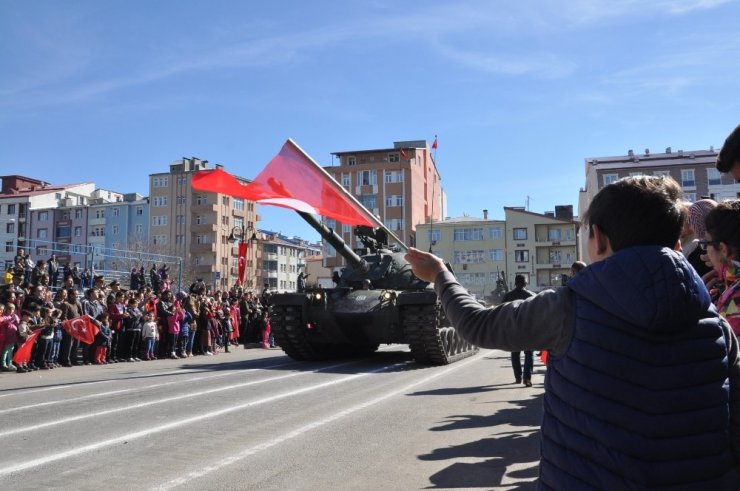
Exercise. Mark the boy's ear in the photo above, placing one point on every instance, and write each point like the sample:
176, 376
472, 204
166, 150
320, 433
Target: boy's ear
603, 246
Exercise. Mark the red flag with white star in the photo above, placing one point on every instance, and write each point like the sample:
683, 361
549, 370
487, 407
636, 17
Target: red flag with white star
291, 180
82, 328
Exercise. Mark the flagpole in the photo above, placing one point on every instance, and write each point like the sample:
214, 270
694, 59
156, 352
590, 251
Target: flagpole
431, 214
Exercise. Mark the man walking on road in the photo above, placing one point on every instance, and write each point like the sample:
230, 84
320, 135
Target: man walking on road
520, 292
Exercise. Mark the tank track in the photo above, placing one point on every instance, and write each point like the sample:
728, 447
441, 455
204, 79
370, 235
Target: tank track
287, 327
429, 341
290, 333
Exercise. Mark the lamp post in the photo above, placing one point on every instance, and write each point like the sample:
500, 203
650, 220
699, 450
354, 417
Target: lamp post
238, 235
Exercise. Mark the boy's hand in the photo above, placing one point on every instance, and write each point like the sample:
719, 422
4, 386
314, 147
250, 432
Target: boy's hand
425, 266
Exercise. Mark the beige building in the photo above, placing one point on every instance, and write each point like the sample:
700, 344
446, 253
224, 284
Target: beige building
474, 247
540, 246
196, 226
284, 257
399, 185
694, 170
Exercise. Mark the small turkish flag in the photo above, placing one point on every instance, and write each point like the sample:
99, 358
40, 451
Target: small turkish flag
24, 352
82, 328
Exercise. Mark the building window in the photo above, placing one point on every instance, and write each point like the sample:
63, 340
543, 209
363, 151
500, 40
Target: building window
159, 220
159, 239
690, 197
139, 228
78, 213
182, 180
434, 236
41, 233
609, 178
569, 234
554, 234
11, 209
42, 250
201, 200
238, 204
687, 178
394, 157
64, 231
160, 201
43, 216
139, 210
394, 200
713, 177
225, 200
520, 234
161, 182
495, 233
114, 229
99, 213
78, 231
201, 239
10, 228
9, 246
367, 178
496, 254
556, 257
521, 256
345, 181
351, 160
395, 224
662, 173
180, 219
468, 257
116, 211
468, 234
200, 220
369, 201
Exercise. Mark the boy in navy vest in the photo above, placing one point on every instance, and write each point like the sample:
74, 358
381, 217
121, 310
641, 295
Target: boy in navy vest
642, 389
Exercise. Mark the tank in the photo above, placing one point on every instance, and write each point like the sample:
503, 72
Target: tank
376, 300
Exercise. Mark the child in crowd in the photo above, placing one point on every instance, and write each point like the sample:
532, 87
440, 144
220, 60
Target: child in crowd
149, 335
642, 389
721, 244
8, 336
24, 330
102, 339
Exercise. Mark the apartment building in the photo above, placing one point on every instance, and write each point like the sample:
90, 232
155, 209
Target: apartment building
694, 170
20, 196
196, 226
400, 185
481, 250
541, 247
283, 258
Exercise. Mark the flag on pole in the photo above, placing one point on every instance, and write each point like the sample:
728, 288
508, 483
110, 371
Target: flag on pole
82, 328
434, 145
242, 261
23, 355
404, 155
292, 180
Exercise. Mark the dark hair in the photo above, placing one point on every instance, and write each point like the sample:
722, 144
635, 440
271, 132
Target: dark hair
640, 210
577, 266
730, 153
520, 280
723, 224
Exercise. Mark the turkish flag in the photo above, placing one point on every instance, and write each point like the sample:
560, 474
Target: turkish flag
82, 328
292, 180
434, 145
404, 155
242, 261
24, 352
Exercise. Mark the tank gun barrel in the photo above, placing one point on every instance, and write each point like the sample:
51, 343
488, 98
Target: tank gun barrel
337, 242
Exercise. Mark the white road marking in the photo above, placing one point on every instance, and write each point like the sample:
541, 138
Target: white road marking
30, 464
189, 395
304, 429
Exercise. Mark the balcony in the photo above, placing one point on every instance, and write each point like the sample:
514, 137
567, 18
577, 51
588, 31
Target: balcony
201, 248
203, 228
206, 208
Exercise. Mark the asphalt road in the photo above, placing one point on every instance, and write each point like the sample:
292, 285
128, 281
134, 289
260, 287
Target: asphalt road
255, 419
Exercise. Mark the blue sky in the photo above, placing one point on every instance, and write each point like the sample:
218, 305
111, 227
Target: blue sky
519, 92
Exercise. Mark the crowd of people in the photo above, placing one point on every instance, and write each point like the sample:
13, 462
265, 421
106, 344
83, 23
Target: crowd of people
146, 321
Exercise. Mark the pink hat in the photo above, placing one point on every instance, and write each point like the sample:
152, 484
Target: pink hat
697, 213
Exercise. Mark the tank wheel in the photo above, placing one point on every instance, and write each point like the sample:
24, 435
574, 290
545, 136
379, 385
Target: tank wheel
429, 341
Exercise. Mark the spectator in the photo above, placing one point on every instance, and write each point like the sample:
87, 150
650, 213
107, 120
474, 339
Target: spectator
53, 270
520, 292
150, 334
696, 231
576, 267
722, 246
642, 387
728, 159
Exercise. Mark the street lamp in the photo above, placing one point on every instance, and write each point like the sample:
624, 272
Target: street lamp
238, 233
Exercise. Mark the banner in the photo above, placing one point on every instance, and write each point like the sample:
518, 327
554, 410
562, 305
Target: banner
242, 261
291, 180
23, 355
82, 328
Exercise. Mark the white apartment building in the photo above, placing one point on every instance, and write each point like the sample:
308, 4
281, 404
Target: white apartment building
694, 170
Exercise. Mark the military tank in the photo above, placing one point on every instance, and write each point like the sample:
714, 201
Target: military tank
376, 300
